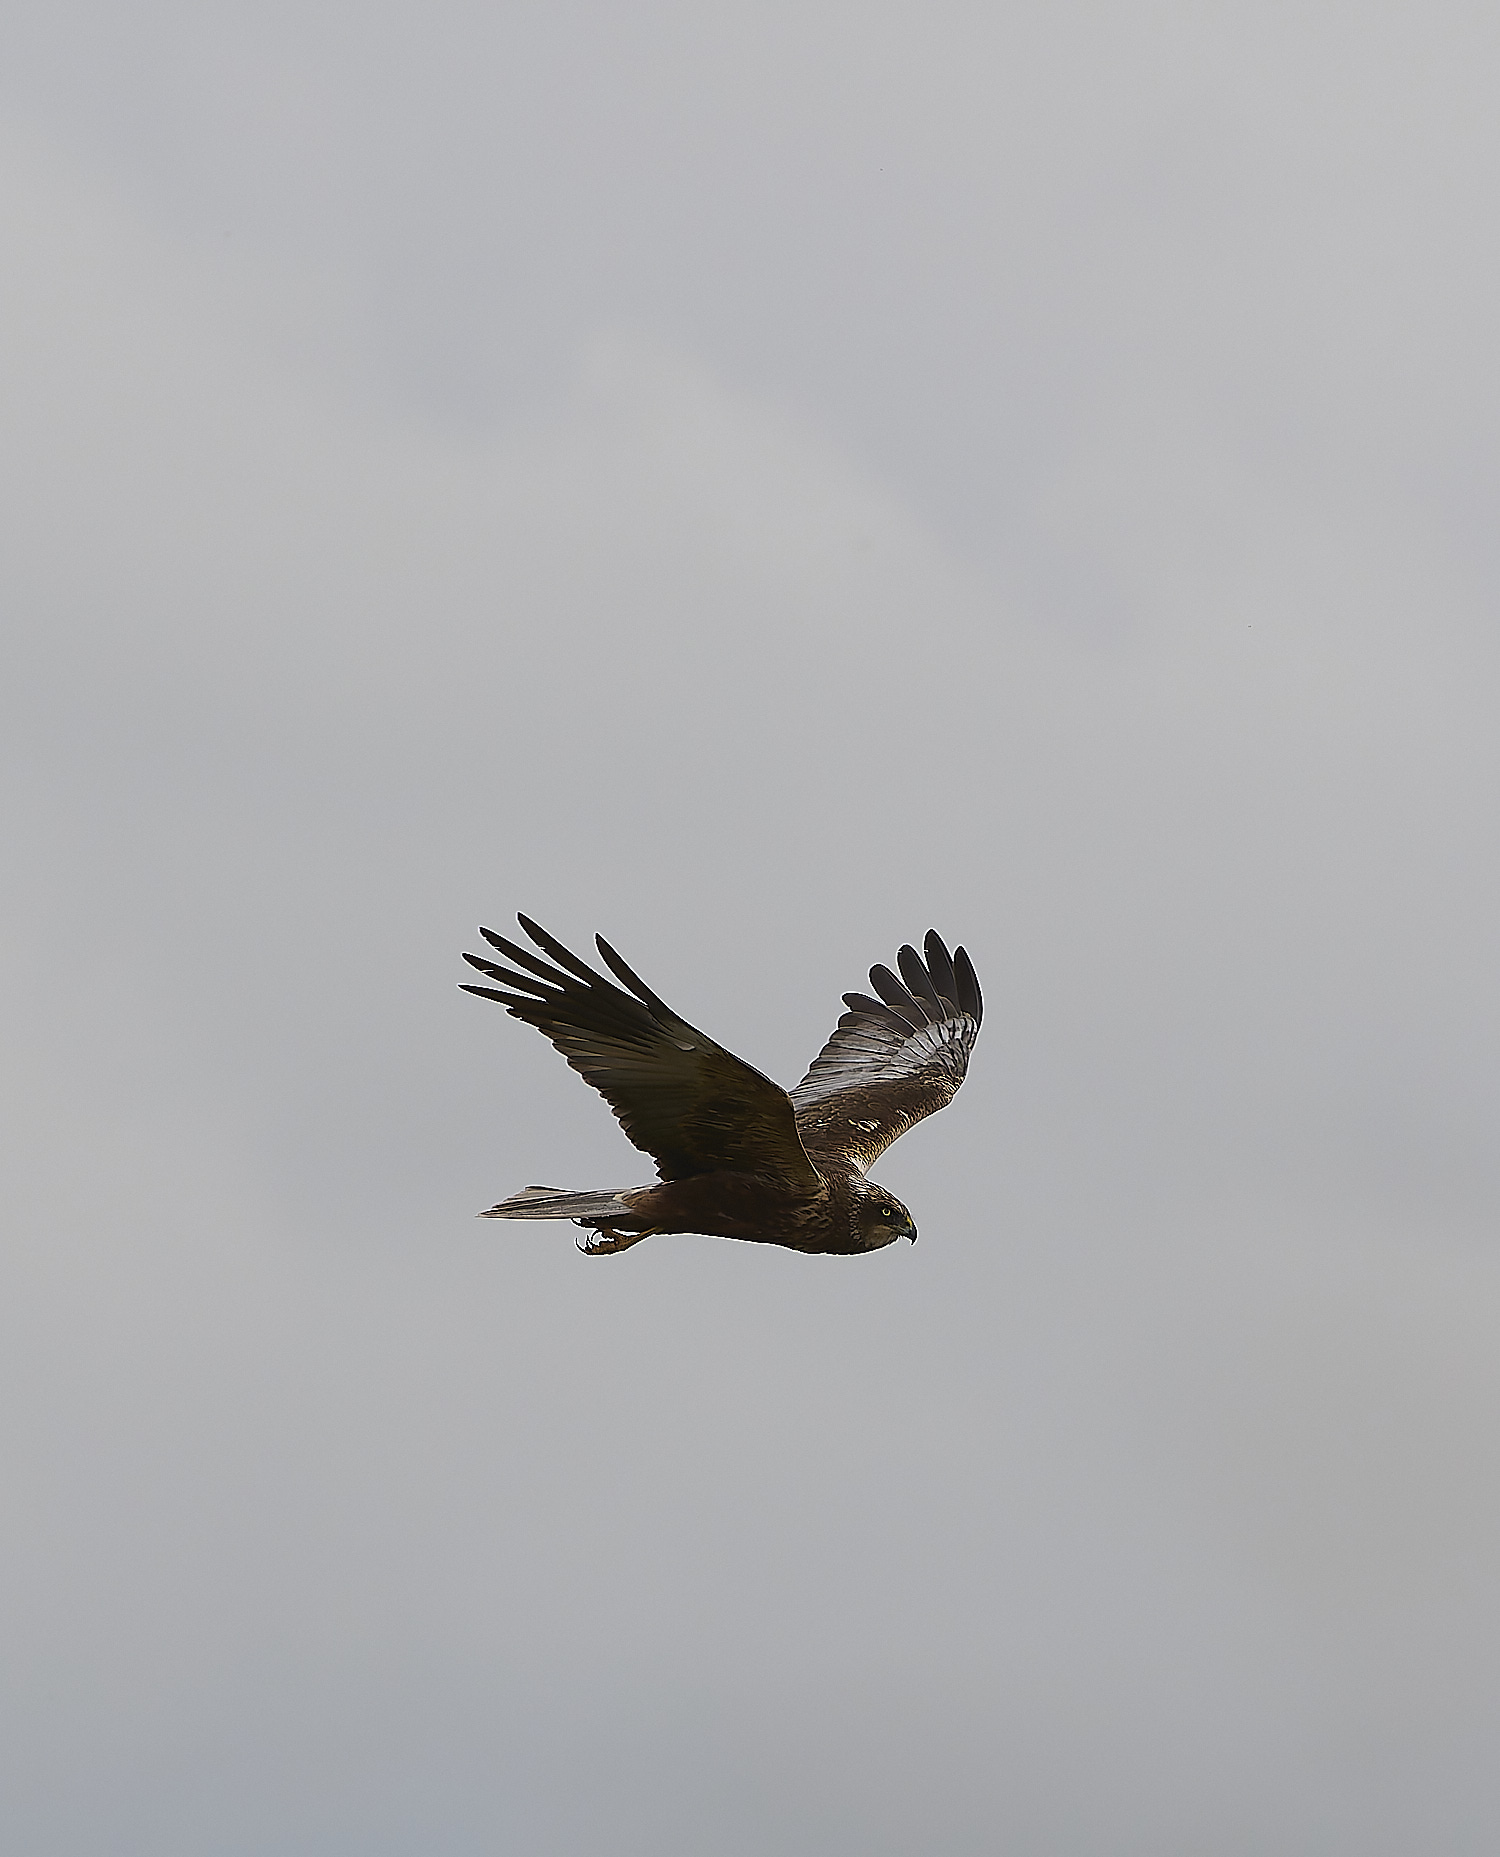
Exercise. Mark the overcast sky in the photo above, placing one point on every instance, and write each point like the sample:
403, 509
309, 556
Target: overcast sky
759, 481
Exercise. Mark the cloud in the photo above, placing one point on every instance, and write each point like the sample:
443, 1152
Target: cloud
1160, 1465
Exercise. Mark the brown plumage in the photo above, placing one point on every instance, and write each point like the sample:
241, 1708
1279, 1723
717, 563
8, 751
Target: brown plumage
738, 1156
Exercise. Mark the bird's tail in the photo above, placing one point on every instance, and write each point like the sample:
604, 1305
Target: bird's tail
605, 1206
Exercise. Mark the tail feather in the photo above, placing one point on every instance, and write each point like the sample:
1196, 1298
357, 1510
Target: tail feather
550, 1202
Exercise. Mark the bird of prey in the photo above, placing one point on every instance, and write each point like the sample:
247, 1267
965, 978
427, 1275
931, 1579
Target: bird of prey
738, 1156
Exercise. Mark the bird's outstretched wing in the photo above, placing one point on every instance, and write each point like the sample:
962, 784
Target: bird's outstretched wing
686, 1101
894, 1059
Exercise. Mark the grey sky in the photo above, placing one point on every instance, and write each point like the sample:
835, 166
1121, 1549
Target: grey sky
759, 482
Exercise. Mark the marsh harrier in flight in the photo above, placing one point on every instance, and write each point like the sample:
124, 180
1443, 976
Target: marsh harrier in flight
738, 1156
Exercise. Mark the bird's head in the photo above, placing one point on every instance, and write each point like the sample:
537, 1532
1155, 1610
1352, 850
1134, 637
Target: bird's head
880, 1218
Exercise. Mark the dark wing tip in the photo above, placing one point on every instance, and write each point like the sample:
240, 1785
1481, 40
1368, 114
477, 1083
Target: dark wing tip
549, 944
969, 996
919, 980
622, 971
940, 966
897, 997
507, 978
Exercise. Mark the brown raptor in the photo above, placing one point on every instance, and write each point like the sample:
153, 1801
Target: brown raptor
740, 1157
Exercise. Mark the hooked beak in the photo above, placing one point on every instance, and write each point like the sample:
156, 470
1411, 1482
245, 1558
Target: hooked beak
912, 1234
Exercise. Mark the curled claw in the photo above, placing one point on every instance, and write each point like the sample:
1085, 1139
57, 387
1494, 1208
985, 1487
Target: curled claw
607, 1241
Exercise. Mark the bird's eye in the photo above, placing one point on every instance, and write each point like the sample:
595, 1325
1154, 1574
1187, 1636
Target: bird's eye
885, 1212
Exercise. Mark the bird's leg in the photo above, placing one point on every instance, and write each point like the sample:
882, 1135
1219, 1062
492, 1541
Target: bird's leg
606, 1240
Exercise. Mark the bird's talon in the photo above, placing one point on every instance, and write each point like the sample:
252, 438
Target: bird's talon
605, 1243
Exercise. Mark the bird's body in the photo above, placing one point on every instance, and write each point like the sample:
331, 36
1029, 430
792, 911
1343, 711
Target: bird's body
760, 1209
739, 1156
